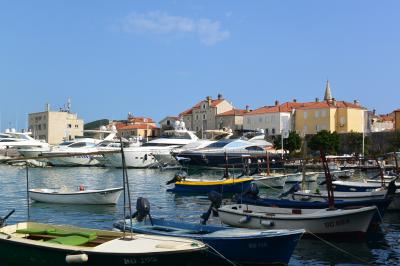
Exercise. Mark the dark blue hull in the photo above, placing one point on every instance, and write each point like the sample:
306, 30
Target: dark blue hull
251, 249
218, 160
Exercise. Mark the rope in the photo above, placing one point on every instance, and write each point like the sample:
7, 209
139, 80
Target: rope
219, 254
339, 249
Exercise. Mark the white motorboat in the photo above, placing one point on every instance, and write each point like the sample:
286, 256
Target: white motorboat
20, 141
154, 152
315, 221
350, 196
83, 147
79, 196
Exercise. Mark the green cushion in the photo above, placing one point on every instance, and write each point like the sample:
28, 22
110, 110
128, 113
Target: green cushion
90, 235
70, 240
35, 231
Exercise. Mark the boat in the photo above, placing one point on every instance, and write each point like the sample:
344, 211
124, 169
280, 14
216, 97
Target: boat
228, 151
353, 196
238, 245
314, 221
273, 180
63, 154
21, 141
39, 244
298, 177
155, 152
81, 196
185, 184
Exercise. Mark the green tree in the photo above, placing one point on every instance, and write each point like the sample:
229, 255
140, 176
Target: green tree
292, 143
325, 140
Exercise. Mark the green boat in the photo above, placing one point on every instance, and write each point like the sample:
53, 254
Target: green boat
34, 244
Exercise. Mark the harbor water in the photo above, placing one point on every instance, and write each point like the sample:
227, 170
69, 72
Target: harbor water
380, 248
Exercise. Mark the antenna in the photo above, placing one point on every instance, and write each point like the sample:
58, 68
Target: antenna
69, 105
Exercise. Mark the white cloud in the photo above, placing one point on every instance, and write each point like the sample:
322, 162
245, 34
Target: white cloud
160, 23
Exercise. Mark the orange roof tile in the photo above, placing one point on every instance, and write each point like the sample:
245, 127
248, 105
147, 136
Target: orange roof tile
236, 112
214, 103
330, 104
137, 126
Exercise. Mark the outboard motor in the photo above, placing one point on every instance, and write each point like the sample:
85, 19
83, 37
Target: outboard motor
296, 187
391, 189
142, 210
3, 221
216, 201
251, 192
181, 175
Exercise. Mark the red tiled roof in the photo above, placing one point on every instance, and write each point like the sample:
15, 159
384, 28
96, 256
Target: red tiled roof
141, 119
137, 126
236, 112
331, 104
285, 107
214, 103
387, 118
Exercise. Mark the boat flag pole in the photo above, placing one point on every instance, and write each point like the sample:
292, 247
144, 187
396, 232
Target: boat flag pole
328, 178
27, 190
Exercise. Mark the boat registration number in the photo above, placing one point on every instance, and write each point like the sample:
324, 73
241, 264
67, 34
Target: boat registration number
337, 223
144, 260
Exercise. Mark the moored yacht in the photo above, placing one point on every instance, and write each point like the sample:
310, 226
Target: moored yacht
20, 141
154, 152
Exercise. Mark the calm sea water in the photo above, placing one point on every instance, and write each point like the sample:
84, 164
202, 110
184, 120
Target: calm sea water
380, 248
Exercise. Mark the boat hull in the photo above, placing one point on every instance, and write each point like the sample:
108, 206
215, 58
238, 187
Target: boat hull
226, 186
238, 245
104, 197
327, 223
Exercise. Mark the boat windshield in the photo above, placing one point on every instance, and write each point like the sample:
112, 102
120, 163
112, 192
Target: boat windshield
65, 143
175, 135
157, 144
228, 143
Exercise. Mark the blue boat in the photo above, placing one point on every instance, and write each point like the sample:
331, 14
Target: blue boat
242, 246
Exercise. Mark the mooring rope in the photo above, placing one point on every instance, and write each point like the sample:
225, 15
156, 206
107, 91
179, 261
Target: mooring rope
219, 254
339, 249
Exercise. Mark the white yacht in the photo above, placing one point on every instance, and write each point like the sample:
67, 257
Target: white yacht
156, 151
20, 141
78, 146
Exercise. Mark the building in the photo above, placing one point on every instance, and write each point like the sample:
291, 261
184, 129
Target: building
331, 115
397, 119
380, 123
55, 126
203, 115
273, 119
232, 119
168, 122
138, 127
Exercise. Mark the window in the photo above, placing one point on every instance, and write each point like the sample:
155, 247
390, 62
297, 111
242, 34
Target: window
204, 106
317, 128
305, 114
342, 121
168, 122
69, 126
273, 131
323, 113
39, 127
76, 126
44, 126
260, 119
204, 117
305, 129
197, 117
248, 120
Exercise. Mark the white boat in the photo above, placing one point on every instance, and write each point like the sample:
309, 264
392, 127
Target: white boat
350, 196
298, 177
315, 221
154, 152
20, 141
83, 147
270, 180
80, 196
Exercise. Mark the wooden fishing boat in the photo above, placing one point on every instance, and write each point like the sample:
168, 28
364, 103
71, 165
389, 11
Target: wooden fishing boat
298, 177
225, 185
242, 246
81, 196
315, 221
353, 196
39, 244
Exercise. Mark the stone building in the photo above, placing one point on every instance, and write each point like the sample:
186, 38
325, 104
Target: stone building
55, 126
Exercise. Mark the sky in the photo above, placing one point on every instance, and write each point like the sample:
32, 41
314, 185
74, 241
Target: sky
159, 58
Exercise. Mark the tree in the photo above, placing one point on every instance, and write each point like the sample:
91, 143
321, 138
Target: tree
325, 140
292, 143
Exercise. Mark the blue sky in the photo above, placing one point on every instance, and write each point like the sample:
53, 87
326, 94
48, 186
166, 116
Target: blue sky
158, 58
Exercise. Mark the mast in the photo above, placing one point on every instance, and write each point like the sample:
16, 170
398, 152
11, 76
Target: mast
328, 178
